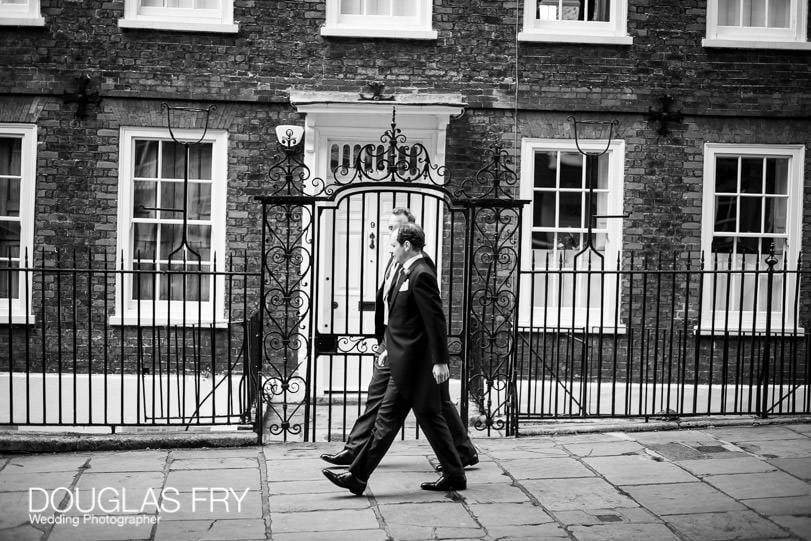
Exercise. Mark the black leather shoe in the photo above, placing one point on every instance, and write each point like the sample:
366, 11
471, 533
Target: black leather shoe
345, 480
343, 458
472, 461
444, 484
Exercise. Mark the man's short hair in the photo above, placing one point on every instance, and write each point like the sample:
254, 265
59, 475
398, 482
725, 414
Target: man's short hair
402, 211
413, 234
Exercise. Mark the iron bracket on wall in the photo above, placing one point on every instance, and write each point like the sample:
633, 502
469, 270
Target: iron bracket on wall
664, 115
82, 97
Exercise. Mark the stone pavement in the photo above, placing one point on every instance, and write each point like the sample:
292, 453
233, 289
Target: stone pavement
718, 483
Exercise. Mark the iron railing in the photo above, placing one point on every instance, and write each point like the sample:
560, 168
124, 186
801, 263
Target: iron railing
84, 341
672, 337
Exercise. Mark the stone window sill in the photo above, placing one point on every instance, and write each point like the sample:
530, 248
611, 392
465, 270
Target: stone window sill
176, 26
750, 44
391, 33
541, 37
22, 21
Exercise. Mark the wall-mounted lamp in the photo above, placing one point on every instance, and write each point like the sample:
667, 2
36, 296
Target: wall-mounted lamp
289, 136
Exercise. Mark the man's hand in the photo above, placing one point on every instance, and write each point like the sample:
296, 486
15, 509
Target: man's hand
381, 359
441, 373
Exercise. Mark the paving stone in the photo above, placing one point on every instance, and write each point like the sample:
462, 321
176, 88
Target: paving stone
45, 463
486, 472
675, 451
210, 530
492, 493
305, 487
721, 526
547, 468
13, 481
14, 508
323, 521
577, 493
638, 470
540, 453
25, 532
801, 428
238, 479
622, 532
403, 487
695, 437
746, 464
602, 516
417, 463
119, 480
606, 448
298, 470
799, 526
119, 501
128, 461
347, 535
288, 503
759, 485
508, 514
790, 505
779, 448
754, 433
216, 463
798, 467
591, 438
100, 532
535, 531
203, 452
204, 508
682, 498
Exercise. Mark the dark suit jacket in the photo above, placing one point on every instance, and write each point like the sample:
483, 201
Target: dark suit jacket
416, 337
380, 327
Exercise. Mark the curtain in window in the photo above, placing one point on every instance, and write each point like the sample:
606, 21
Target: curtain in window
754, 13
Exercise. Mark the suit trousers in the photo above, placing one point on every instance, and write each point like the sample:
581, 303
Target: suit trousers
390, 418
362, 429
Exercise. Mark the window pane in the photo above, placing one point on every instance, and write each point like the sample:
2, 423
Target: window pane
200, 240
9, 281
777, 175
597, 172
199, 201
754, 12
747, 246
198, 237
751, 175
144, 241
208, 4
570, 210
172, 198
726, 175
543, 209
776, 215
9, 240
548, 10
10, 156
599, 10
378, 7
143, 286
351, 7
171, 235
723, 245
751, 211
405, 8
571, 170
729, 12
144, 197
189, 286
545, 169
572, 11
779, 13
9, 197
543, 240
172, 160
725, 213
199, 162
146, 159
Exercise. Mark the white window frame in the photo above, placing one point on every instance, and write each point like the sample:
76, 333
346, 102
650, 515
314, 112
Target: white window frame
613, 32
742, 320
179, 19
28, 168
25, 15
793, 37
219, 189
538, 316
373, 26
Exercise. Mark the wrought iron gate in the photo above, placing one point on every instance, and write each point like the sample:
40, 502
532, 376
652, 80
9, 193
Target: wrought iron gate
324, 247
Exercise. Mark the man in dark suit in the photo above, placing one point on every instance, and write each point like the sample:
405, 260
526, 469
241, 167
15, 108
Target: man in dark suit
417, 350
362, 429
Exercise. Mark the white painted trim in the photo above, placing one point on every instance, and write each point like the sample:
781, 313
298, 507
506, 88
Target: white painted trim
147, 321
219, 192
749, 44
796, 153
614, 206
28, 192
21, 15
179, 20
755, 37
539, 37
373, 26
614, 31
22, 21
